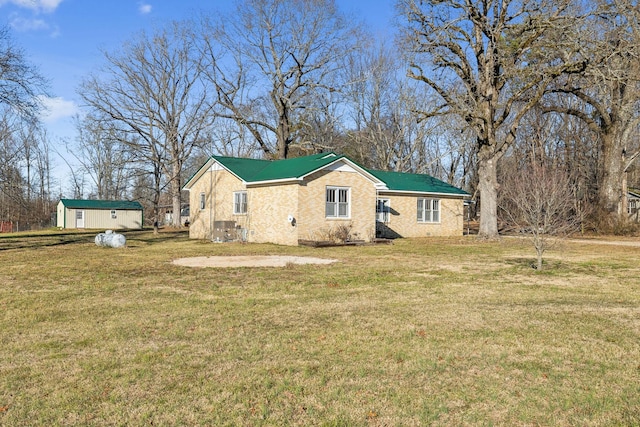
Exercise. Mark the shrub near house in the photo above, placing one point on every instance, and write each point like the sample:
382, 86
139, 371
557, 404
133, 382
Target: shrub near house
314, 197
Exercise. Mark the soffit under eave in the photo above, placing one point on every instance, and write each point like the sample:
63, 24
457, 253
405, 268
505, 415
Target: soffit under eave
422, 193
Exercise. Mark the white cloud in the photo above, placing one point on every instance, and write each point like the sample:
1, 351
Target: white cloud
20, 23
33, 23
46, 6
145, 8
57, 108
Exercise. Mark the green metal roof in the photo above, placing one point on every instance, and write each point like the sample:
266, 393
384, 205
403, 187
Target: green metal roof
253, 170
420, 183
101, 204
245, 169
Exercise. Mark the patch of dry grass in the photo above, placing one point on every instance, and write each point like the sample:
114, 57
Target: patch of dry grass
423, 332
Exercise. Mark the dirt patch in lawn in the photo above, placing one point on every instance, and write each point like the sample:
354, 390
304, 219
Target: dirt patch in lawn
249, 261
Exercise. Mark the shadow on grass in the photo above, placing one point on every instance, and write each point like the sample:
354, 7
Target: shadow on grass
147, 236
548, 266
46, 238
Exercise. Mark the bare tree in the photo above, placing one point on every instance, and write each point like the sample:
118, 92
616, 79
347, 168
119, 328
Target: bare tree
105, 155
45, 179
564, 142
380, 104
321, 127
448, 153
489, 62
29, 136
21, 86
229, 138
153, 90
270, 59
536, 199
25, 171
20, 82
36, 168
10, 148
11, 180
607, 96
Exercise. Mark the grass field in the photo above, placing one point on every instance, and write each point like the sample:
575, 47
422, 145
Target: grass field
421, 332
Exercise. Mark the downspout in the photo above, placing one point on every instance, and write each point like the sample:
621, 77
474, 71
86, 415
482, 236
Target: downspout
213, 185
245, 235
215, 198
211, 204
375, 216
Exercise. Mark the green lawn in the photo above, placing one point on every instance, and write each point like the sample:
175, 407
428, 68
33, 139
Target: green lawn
422, 332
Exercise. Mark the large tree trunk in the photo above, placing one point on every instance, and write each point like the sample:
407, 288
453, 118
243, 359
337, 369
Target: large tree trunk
176, 185
610, 191
157, 177
624, 199
488, 187
283, 131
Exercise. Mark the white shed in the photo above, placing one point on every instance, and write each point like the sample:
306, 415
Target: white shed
99, 214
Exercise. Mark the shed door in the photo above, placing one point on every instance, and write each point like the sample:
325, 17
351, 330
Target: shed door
79, 219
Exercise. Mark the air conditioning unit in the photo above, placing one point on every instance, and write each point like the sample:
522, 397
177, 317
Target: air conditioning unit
224, 231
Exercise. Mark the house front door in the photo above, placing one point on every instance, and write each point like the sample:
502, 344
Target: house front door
79, 219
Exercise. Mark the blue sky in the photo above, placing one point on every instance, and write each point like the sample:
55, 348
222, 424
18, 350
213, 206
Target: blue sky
64, 39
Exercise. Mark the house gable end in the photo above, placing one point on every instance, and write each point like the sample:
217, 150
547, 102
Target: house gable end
343, 164
243, 169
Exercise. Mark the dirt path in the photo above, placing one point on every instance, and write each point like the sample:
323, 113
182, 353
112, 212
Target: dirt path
633, 243
612, 241
249, 261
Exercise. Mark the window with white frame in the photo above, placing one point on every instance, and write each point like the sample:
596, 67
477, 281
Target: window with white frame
337, 202
240, 203
382, 210
428, 210
114, 215
202, 201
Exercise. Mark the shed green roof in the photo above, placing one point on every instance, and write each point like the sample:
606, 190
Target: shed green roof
412, 182
101, 204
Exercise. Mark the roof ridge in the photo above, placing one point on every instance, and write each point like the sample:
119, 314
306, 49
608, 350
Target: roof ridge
275, 169
295, 167
99, 203
100, 200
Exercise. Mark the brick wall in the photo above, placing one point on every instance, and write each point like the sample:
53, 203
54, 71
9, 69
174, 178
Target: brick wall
313, 225
269, 208
218, 187
403, 218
